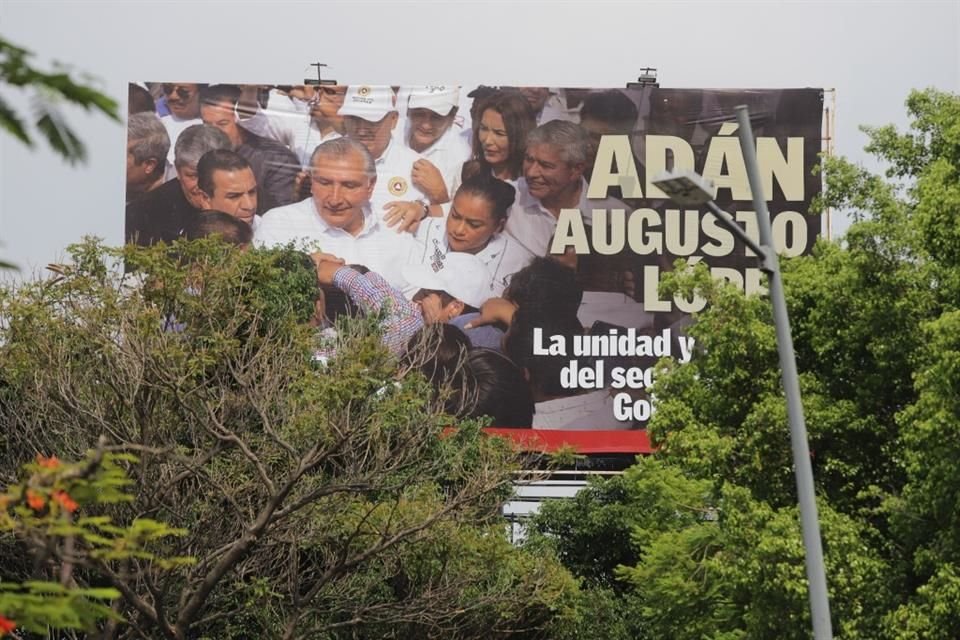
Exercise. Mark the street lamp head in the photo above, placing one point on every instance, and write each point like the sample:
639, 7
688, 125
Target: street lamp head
686, 188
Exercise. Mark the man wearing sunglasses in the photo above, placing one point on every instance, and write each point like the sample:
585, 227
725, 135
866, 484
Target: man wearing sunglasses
182, 102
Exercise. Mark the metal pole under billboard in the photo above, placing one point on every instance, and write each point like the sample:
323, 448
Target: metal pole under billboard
809, 523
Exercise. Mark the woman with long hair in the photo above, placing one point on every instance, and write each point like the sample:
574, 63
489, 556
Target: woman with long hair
499, 136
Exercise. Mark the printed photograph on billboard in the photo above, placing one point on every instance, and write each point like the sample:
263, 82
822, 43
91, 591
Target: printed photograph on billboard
523, 221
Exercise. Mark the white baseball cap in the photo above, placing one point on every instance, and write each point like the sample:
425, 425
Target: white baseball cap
462, 275
439, 99
371, 103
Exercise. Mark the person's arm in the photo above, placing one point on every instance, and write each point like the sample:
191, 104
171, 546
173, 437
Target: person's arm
407, 215
427, 178
275, 125
372, 292
494, 311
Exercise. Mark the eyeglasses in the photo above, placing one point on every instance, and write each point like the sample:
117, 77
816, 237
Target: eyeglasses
182, 92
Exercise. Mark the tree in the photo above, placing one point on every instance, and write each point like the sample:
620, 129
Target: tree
48, 90
319, 500
715, 539
47, 513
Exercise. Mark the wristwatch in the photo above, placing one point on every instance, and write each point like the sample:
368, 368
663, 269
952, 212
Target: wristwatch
426, 208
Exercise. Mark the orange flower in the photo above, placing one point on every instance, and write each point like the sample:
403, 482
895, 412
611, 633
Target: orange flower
65, 501
35, 500
6, 626
48, 463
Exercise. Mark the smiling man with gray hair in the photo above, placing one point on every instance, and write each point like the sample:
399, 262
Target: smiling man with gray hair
338, 219
553, 179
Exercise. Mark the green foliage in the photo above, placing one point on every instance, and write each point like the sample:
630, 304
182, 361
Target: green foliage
709, 564
928, 515
49, 511
934, 614
934, 134
564, 455
38, 606
48, 91
715, 549
590, 532
319, 500
601, 613
732, 566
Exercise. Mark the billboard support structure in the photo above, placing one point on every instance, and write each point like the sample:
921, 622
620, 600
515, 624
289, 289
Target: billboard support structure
647, 78
319, 81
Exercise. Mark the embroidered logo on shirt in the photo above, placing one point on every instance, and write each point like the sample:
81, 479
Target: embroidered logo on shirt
437, 258
397, 186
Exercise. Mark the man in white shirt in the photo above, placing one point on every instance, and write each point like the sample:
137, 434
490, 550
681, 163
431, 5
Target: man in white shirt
369, 117
553, 167
337, 218
183, 103
433, 131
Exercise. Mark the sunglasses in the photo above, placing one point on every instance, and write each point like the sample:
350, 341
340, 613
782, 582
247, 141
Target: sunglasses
182, 92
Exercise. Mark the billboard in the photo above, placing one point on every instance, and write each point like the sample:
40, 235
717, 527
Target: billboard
524, 216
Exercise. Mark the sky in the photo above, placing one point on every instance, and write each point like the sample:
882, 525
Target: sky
871, 53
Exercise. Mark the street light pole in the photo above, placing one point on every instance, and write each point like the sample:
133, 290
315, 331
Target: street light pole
689, 188
809, 523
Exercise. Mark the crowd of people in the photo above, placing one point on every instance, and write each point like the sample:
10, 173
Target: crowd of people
436, 204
